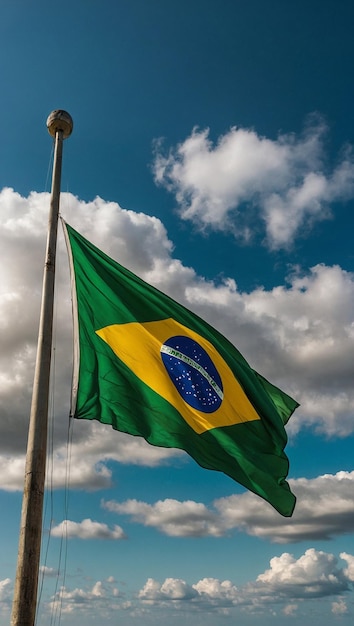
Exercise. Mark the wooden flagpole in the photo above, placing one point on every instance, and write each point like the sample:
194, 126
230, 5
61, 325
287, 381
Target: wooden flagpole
60, 126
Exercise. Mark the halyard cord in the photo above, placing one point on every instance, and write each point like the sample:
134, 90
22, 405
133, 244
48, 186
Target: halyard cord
56, 607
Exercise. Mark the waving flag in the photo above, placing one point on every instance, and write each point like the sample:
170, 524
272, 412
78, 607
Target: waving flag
148, 366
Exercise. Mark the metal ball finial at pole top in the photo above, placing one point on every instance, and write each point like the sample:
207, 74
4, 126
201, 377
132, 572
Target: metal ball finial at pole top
60, 120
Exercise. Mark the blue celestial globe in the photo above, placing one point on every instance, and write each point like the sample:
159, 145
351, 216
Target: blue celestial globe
193, 373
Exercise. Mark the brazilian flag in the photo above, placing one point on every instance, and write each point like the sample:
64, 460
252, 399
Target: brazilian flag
148, 366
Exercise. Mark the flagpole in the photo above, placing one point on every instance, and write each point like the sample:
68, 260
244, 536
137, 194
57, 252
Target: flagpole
60, 125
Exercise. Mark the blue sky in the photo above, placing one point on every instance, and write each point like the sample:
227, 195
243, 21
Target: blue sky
212, 155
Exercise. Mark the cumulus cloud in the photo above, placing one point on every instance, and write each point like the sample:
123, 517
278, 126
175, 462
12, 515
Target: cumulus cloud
216, 590
299, 335
91, 447
171, 589
176, 519
339, 608
101, 597
349, 571
22, 237
6, 595
284, 181
290, 609
314, 574
324, 509
87, 529
286, 584
46, 571
208, 591
5, 589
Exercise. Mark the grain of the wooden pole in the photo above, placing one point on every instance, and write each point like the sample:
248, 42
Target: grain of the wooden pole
60, 126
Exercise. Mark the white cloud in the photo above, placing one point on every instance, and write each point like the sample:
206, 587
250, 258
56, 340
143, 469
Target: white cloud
91, 447
102, 599
171, 589
215, 589
348, 571
339, 608
87, 529
46, 571
225, 186
286, 584
78, 599
324, 509
176, 519
290, 609
315, 574
300, 336
5, 589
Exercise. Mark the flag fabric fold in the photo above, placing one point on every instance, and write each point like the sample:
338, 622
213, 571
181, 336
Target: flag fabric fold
148, 366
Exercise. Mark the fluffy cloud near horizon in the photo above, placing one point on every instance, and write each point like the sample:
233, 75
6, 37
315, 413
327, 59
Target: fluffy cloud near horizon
315, 574
284, 586
102, 596
299, 335
285, 181
324, 509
